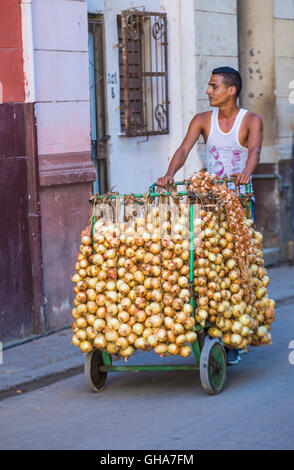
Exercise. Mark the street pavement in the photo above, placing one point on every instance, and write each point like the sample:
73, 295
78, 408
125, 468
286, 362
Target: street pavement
151, 410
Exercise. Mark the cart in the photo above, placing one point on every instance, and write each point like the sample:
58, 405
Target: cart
209, 353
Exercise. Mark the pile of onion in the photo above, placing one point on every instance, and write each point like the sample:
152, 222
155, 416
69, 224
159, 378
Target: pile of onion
134, 291
239, 316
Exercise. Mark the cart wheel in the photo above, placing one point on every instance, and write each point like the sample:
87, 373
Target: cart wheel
213, 366
94, 378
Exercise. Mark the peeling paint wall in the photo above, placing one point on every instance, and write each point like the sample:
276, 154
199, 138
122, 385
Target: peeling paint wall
11, 59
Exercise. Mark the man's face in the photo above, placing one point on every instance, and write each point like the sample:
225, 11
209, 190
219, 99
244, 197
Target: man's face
217, 92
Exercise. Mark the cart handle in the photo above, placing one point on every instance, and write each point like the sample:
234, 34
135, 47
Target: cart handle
170, 185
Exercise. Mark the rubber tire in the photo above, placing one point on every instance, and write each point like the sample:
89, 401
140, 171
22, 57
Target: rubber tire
94, 378
205, 359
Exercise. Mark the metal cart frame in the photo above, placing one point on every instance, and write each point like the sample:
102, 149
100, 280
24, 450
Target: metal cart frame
209, 354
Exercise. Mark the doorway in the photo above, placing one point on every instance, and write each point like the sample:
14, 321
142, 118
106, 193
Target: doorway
99, 135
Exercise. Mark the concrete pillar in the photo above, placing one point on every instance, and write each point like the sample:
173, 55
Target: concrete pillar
256, 55
257, 68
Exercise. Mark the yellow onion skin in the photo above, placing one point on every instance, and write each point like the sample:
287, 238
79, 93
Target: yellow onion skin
137, 283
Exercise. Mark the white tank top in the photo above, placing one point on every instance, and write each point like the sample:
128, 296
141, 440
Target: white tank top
225, 155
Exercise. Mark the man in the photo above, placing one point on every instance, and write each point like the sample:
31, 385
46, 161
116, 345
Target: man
233, 138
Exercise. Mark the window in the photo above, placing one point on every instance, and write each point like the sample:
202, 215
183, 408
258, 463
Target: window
143, 73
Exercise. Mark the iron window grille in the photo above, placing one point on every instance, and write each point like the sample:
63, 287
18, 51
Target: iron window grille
143, 73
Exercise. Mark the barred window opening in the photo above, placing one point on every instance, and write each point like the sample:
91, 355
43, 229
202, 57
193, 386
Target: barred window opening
143, 73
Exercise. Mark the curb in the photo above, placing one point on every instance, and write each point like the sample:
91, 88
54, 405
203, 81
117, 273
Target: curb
49, 375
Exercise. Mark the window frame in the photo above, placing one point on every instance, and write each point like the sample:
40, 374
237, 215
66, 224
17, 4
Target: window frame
130, 19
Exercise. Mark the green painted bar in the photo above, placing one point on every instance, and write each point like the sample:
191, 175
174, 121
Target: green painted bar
195, 345
180, 193
106, 358
150, 368
105, 355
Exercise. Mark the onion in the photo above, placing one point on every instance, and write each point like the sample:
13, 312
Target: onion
138, 329
173, 349
141, 343
132, 338
111, 335
112, 309
185, 351
99, 324
91, 333
81, 298
245, 331
231, 263
101, 312
237, 310
261, 331
113, 323
156, 321
202, 314
184, 294
153, 340
226, 338
154, 308
75, 340
160, 348
260, 292
122, 343
127, 352
161, 335
124, 329
86, 347
189, 323
100, 300
178, 329
180, 317
168, 322
214, 332
81, 309
81, 322
236, 339
112, 348
237, 327
191, 337
245, 319
177, 304
187, 309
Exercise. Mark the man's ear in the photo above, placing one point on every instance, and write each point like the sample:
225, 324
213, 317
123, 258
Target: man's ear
232, 90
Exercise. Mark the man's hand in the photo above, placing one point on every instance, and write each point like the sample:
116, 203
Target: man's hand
165, 180
241, 178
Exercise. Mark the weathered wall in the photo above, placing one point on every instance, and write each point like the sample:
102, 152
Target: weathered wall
60, 30
16, 285
11, 60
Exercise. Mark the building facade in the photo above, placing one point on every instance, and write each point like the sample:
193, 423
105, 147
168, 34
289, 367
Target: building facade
98, 95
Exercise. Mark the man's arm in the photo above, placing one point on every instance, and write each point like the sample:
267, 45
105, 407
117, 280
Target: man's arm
180, 156
255, 137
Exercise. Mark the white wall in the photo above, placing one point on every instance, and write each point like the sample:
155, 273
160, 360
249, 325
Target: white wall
134, 162
216, 46
60, 30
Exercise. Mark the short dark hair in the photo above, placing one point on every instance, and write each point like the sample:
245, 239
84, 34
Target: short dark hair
231, 77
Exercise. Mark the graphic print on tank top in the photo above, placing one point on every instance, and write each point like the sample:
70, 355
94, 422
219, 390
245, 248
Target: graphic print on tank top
217, 166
